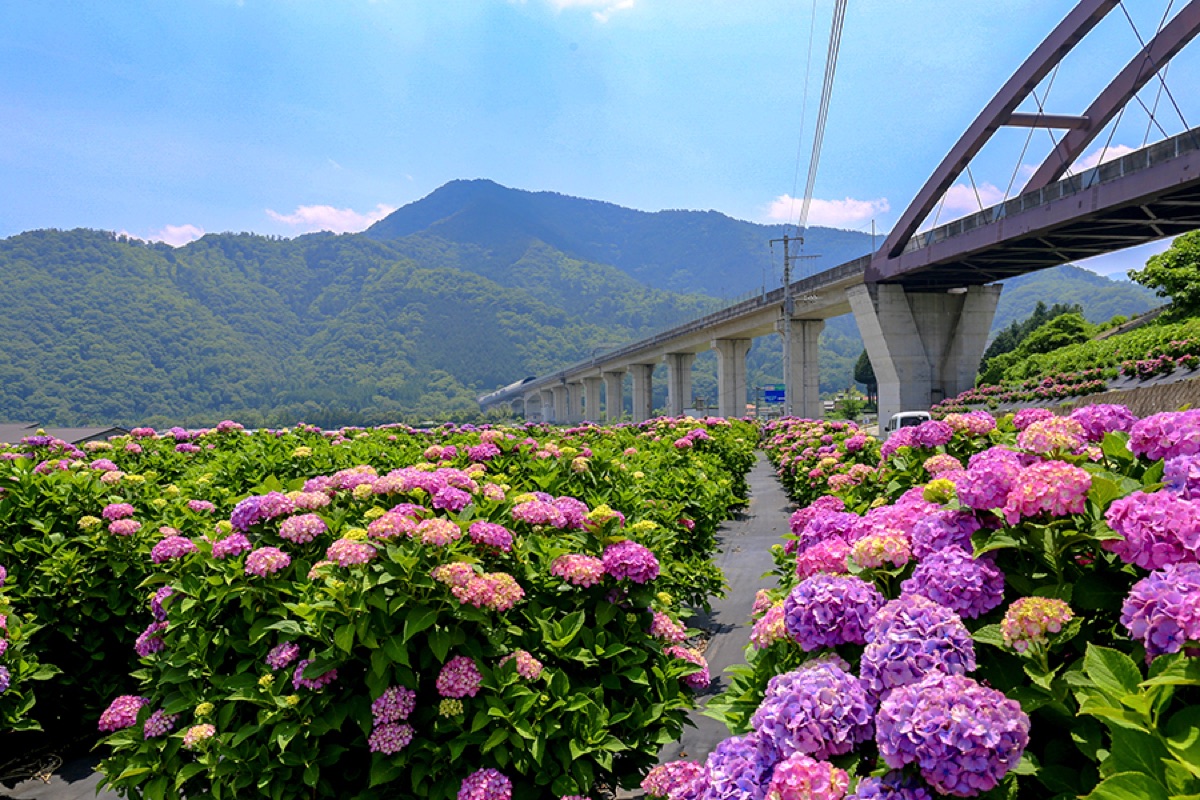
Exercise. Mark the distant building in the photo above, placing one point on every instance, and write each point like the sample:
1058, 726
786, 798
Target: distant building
14, 432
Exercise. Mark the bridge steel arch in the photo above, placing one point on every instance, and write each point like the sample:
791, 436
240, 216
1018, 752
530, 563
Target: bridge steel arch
926, 345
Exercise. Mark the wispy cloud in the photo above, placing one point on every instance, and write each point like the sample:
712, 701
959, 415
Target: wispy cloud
307, 219
174, 235
828, 213
1100, 155
604, 9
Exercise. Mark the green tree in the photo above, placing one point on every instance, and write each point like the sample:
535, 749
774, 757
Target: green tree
864, 373
1063, 330
1175, 274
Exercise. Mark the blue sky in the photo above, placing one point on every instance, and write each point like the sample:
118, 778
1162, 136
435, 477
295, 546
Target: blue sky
168, 119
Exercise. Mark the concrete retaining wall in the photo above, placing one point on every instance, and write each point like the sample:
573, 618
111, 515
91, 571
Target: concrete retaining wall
1146, 400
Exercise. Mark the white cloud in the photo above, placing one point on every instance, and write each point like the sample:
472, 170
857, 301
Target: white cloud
1100, 155
604, 8
174, 235
961, 198
828, 213
328, 218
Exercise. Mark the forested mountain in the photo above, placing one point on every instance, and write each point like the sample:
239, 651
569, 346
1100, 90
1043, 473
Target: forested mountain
466, 290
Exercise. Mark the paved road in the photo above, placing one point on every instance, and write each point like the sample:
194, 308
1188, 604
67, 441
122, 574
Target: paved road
744, 556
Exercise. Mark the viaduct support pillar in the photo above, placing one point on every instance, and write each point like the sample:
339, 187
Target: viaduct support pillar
614, 395
561, 406
591, 399
679, 382
574, 403
802, 368
923, 346
643, 388
547, 396
731, 376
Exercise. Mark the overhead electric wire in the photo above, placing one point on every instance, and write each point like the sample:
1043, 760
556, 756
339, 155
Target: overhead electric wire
812, 27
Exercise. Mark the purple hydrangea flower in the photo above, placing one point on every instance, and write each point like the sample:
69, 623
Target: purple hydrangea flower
910, 638
676, 780
171, 547
1159, 529
260, 508
826, 526
459, 678
942, 529
819, 710
953, 577
233, 545
962, 736
1182, 476
737, 770
394, 705
282, 654
1026, 417
630, 560
988, 480
485, 784
1166, 435
156, 604
491, 534
1162, 610
933, 433
828, 610
121, 713
1102, 418
451, 499
317, 683
390, 738
158, 724
150, 641
892, 786
821, 505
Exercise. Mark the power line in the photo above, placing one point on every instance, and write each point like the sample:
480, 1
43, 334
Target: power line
835, 43
812, 27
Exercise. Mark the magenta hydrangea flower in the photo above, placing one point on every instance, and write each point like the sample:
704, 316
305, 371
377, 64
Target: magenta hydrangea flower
1026, 417
577, 569
933, 433
266, 561
826, 526
800, 519
910, 638
1162, 610
498, 591
1166, 435
1055, 488
302, 528
1103, 418
828, 557
233, 545
491, 534
260, 508
819, 710
905, 437
115, 511
150, 641
459, 678
438, 532
451, 499
156, 603
124, 527
696, 680
828, 610
1160, 528
954, 578
171, 547
963, 737
667, 629
158, 724
348, 552
394, 705
486, 784
201, 506
675, 780
121, 713
282, 654
1029, 620
799, 777
629, 560
390, 737
539, 512
317, 683
528, 667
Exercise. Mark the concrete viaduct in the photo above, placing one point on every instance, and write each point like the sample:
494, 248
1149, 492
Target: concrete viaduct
924, 302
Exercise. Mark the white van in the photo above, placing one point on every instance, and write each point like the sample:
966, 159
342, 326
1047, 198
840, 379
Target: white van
904, 419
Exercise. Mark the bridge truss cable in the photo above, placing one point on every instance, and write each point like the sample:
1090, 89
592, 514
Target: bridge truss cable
812, 27
1161, 78
835, 43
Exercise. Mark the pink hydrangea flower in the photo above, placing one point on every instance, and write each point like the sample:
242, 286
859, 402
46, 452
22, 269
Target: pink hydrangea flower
302, 528
266, 561
577, 569
459, 678
1047, 487
348, 552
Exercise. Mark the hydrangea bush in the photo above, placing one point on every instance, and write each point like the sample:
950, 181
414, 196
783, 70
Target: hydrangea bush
1031, 626
275, 576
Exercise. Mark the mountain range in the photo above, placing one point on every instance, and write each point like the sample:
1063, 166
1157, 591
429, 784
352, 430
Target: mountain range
455, 294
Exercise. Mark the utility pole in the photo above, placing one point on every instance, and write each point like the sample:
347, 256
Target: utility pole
788, 309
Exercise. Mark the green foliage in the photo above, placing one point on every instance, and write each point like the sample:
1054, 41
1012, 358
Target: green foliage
1102, 353
1061, 331
864, 373
1175, 274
